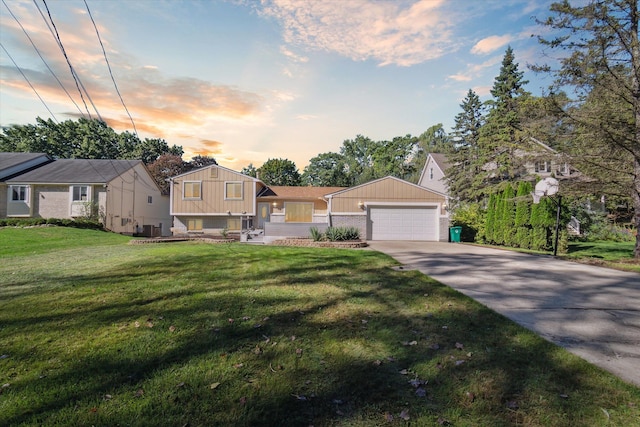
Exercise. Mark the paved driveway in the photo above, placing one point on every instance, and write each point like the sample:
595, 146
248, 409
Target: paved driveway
593, 312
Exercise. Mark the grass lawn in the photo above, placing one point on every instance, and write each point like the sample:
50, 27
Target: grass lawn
610, 254
94, 331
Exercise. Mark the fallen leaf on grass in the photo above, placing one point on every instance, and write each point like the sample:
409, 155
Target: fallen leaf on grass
405, 415
139, 393
377, 362
94, 409
214, 386
180, 384
420, 392
4, 356
407, 343
238, 365
471, 396
172, 328
512, 404
137, 324
404, 372
300, 397
149, 325
435, 346
388, 417
459, 362
459, 346
107, 397
299, 351
243, 400
564, 396
443, 422
257, 350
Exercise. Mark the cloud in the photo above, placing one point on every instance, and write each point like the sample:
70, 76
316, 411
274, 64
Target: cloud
474, 71
306, 117
491, 44
386, 32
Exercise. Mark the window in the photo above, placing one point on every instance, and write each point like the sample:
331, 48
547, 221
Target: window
191, 189
194, 224
149, 199
213, 172
430, 173
233, 190
19, 193
543, 166
298, 212
80, 193
233, 224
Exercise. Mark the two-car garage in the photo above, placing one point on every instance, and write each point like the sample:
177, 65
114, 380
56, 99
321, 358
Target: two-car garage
403, 223
391, 209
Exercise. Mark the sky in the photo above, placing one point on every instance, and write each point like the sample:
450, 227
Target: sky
246, 80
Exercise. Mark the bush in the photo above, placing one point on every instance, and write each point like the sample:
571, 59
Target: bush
60, 222
316, 234
471, 218
341, 234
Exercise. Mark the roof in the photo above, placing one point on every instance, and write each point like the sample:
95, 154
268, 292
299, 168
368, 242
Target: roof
14, 163
441, 160
388, 177
290, 192
77, 171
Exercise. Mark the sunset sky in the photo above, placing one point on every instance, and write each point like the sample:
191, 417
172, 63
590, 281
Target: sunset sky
245, 81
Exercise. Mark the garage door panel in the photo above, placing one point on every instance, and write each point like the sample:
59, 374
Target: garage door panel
403, 223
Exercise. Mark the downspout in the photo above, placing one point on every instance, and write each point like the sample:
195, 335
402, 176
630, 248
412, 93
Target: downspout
329, 220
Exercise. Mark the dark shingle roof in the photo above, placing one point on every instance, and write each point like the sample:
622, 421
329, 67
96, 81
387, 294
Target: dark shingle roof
80, 171
442, 161
12, 163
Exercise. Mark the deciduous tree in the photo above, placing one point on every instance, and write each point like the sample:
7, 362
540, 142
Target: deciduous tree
600, 62
279, 172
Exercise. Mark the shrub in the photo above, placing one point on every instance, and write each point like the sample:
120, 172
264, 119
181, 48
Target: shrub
316, 234
60, 222
341, 234
471, 218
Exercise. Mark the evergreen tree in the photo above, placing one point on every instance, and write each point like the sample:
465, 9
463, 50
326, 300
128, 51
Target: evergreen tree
507, 224
501, 135
464, 156
490, 226
523, 215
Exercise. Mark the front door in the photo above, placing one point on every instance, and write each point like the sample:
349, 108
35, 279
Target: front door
264, 212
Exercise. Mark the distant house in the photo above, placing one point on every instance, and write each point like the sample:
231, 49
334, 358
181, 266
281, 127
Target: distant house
433, 173
121, 193
214, 198
538, 161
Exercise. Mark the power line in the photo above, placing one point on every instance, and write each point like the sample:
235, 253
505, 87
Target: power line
43, 60
64, 53
109, 67
27, 79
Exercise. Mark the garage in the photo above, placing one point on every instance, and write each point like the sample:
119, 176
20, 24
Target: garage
403, 223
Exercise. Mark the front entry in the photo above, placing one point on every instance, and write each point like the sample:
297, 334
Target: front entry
264, 213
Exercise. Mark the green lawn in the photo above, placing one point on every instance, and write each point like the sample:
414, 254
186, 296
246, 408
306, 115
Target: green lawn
94, 331
610, 254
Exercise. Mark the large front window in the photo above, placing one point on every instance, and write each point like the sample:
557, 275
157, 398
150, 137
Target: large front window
19, 193
233, 190
191, 190
80, 193
298, 212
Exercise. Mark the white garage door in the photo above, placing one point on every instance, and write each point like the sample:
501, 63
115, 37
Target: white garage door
403, 223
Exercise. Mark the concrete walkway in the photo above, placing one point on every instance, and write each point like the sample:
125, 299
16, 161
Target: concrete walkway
593, 312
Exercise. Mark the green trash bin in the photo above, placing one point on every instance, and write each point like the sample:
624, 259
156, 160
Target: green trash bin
454, 234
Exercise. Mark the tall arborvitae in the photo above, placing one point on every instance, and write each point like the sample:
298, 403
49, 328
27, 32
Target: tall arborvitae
490, 224
464, 158
542, 221
523, 215
502, 135
508, 216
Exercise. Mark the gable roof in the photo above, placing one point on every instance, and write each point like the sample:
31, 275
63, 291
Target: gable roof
218, 167
441, 161
388, 177
291, 192
12, 164
77, 171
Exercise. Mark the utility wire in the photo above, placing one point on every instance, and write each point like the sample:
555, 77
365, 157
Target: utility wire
43, 60
109, 67
64, 53
27, 79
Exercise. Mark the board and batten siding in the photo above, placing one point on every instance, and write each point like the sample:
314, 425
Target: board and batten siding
212, 199
387, 190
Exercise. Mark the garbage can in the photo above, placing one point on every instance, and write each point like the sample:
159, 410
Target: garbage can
454, 234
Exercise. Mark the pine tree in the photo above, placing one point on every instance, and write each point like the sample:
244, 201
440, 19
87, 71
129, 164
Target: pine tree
502, 135
464, 157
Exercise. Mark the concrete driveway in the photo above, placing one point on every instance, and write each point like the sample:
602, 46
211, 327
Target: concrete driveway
593, 312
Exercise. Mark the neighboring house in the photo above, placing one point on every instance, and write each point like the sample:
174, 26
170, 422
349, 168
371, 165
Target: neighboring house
538, 161
433, 173
121, 193
12, 164
214, 198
